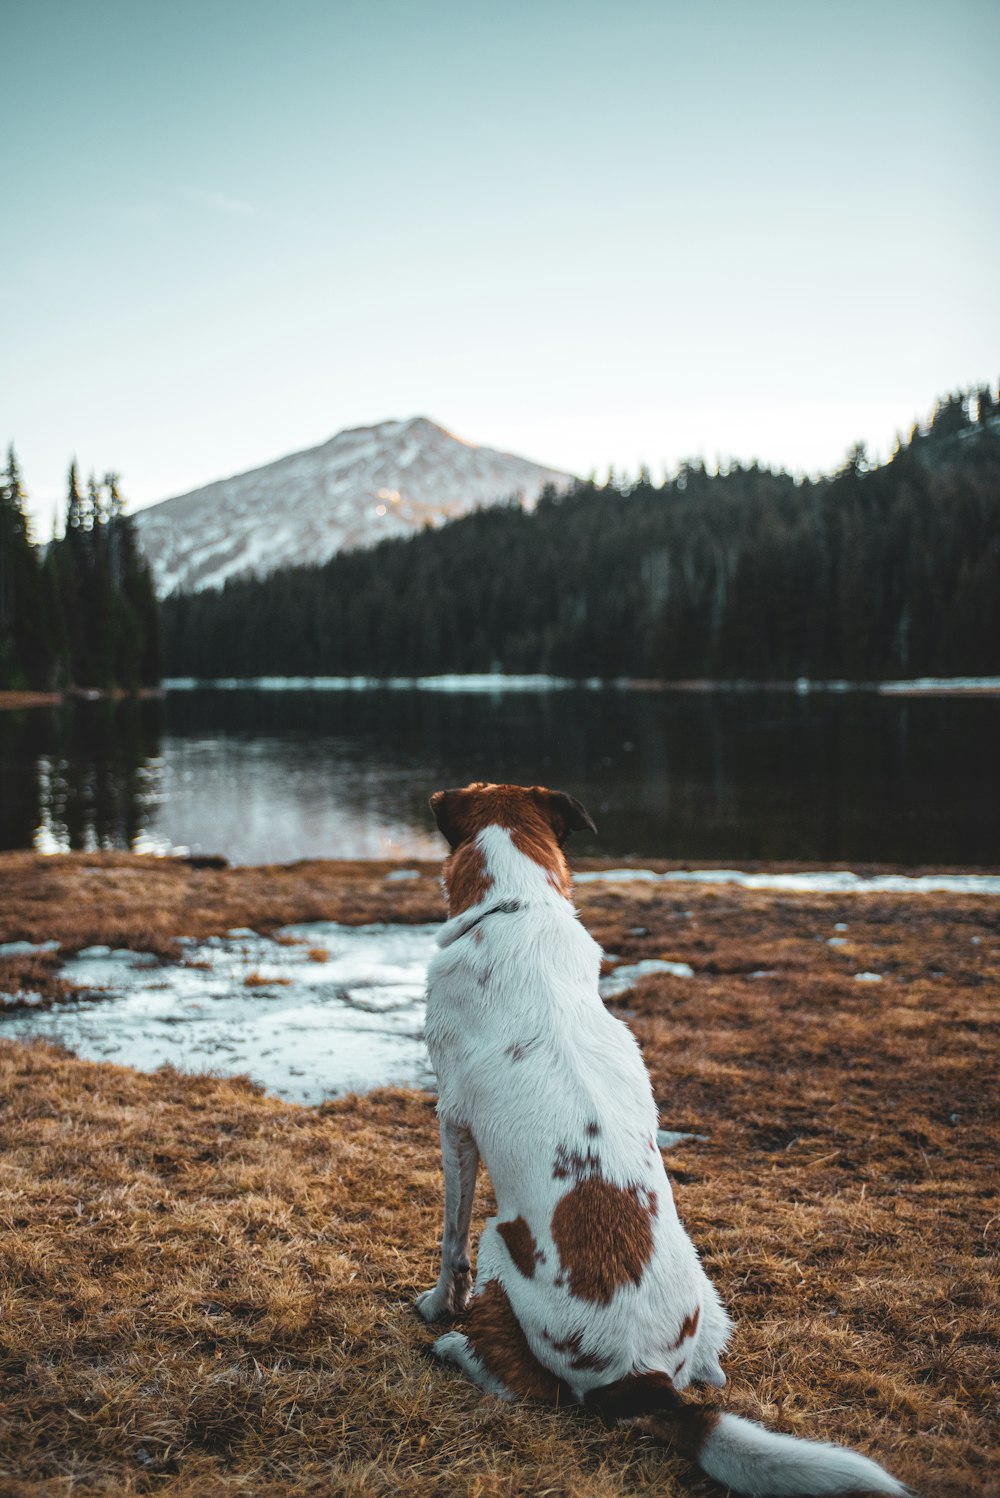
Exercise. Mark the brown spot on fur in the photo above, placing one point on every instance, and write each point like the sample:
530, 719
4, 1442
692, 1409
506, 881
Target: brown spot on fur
521, 1245
541, 847
636, 1394
539, 822
684, 1426
496, 1338
467, 879
688, 1328
604, 1237
593, 1129
573, 1344
692, 1428
571, 1164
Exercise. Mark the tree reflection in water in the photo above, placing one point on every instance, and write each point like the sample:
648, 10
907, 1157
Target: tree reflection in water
730, 777
82, 776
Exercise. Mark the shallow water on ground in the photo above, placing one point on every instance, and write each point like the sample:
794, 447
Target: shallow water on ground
317, 1011
321, 1011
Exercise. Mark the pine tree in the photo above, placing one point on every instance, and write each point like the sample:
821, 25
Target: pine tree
74, 501
22, 641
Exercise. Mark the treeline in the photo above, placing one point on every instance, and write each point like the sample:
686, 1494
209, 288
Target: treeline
83, 613
875, 571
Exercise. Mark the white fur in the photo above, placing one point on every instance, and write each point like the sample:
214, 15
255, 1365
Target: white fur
526, 1057
762, 1462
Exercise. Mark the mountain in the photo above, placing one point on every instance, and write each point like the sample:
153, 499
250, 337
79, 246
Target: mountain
362, 485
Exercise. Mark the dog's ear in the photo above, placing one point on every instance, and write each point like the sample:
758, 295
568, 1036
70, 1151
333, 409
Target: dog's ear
567, 815
444, 805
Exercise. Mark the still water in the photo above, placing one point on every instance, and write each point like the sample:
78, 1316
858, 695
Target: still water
729, 777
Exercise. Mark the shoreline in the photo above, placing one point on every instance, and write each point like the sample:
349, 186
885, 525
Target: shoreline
479, 682
97, 897
918, 687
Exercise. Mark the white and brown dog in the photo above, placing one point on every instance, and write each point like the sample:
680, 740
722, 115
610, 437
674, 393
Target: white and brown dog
587, 1286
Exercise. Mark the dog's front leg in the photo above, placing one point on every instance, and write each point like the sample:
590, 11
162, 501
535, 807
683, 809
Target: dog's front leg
460, 1158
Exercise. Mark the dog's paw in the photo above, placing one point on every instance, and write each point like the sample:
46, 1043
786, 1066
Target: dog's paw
433, 1306
450, 1295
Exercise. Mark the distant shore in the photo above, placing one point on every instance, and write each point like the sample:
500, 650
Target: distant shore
959, 686
922, 686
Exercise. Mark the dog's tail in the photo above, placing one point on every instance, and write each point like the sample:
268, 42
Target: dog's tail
738, 1453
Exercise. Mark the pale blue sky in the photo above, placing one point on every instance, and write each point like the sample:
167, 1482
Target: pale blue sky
591, 233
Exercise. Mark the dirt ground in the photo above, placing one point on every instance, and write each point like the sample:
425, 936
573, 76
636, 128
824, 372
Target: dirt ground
205, 1290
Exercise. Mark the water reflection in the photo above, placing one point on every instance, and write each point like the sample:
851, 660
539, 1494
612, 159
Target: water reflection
84, 776
730, 777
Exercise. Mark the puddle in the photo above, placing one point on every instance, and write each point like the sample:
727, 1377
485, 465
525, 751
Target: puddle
306, 1029
624, 978
326, 1010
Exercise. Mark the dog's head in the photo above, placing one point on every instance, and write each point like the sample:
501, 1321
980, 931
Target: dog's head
539, 822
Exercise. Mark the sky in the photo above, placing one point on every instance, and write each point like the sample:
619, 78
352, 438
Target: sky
593, 234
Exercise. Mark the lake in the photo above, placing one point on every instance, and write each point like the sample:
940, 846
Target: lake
725, 776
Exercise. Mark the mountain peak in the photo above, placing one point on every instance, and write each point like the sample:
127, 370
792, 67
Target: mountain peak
362, 485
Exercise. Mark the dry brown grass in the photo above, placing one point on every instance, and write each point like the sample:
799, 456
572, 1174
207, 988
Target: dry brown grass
204, 1290
32, 981
17, 701
121, 900
14, 702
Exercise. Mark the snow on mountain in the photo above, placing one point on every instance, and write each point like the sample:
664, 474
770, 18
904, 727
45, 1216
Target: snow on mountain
362, 485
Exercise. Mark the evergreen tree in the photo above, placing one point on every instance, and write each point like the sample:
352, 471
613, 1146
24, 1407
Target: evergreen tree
743, 572
87, 614
22, 636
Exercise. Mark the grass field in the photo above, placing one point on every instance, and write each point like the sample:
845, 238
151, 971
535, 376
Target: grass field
205, 1290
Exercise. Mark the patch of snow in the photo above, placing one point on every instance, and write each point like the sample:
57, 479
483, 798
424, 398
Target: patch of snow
832, 881
306, 507
868, 977
624, 978
347, 1018
26, 948
942, 684
485, 682
668, 1138
102, 965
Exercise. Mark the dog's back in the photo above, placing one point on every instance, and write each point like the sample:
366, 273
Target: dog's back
586, 1243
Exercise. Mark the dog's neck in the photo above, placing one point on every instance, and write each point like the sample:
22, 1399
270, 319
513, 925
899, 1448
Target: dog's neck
502, 863
461, 925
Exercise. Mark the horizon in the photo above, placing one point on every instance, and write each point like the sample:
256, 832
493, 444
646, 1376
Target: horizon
596, 241
610, 474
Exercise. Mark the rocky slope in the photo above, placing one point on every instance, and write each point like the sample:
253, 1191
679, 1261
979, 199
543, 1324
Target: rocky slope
361, 486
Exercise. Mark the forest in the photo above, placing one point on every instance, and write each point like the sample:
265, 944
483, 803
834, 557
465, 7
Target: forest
82, 612
876, 571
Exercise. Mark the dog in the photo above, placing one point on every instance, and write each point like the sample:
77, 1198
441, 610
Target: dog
587, 1289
